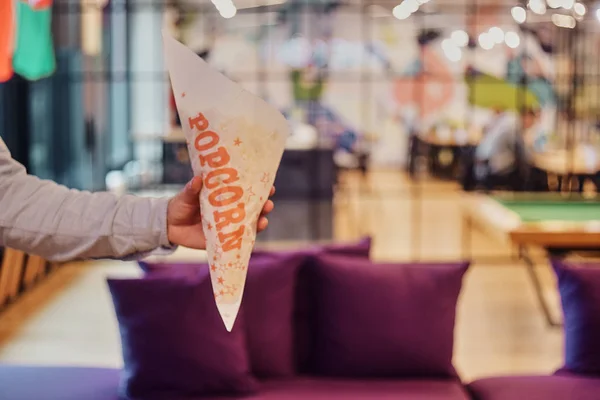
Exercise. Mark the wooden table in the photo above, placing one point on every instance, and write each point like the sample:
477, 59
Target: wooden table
453, 137
567, 164
432, 143
563, 162
551, 221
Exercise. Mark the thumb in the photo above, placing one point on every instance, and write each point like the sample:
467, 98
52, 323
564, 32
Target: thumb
189, 195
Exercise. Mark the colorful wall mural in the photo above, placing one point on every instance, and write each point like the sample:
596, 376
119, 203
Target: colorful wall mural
351, 77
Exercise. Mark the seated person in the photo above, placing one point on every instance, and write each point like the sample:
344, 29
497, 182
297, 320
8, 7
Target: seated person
501, 158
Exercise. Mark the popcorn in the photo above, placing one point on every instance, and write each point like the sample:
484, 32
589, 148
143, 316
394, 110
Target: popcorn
235, 141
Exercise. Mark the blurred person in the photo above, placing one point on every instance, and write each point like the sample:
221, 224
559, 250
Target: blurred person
502, 156
497, 114
43, 218
468, 177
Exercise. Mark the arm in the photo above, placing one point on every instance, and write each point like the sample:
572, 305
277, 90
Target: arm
49, 220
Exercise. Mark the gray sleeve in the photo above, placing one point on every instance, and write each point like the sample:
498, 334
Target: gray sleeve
41, 217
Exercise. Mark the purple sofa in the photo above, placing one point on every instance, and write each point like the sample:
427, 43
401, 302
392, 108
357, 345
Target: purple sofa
429, 376
554, 387
72, 383
80, 383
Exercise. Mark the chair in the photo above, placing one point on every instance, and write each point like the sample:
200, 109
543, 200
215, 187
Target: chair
19, 272
11, 274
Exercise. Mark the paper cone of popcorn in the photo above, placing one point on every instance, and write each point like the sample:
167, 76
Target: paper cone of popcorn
235, 141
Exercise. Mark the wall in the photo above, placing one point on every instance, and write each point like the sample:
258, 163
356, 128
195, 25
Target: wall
365, 70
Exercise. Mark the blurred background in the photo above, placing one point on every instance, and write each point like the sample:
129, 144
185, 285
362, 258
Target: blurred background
387, 103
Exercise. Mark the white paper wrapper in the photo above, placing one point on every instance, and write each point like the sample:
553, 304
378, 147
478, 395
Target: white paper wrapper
235, 141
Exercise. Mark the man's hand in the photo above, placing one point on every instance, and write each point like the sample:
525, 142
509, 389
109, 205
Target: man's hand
184, 219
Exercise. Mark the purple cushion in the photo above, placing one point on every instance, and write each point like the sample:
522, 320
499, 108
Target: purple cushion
174, 341
58, 383
271, 343
579, 286
304, 316
361, 248
268, 307
385, 320
536, 388
270, 285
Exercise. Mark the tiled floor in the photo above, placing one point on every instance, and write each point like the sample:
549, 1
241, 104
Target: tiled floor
69, 318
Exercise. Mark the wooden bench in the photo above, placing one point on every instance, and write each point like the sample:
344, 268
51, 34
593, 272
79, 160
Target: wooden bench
19, 272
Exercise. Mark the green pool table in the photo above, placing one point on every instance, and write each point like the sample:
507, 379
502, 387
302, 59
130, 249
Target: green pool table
551, 221
558, 224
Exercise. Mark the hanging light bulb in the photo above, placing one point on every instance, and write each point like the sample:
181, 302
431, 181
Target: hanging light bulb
486, 41
497, 34
451, 50
401, 11
568, 4
412, 5
228, 12
537, 6
460, 38
554, 3
512, 40
563, 21
519, 14
579, 9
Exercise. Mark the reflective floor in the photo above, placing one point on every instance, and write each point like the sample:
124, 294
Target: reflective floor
69, 319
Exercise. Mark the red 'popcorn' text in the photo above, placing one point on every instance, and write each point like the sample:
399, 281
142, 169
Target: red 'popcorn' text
222, 182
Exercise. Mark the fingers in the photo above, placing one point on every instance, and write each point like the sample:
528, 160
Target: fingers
195, 185
268, 207
192, 190
263, 222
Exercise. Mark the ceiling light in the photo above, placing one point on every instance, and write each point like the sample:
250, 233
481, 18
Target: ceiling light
497, 34
225, 7
228, 12
263, 3
537, 6
453, 54
486, 41
451, 50
519, 14
512, 40
568, 4
554, 3
412, 5
564, 21
401, 11
460, 38
579, 9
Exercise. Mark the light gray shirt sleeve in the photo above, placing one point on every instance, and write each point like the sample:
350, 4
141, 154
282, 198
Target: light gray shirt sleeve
43, 218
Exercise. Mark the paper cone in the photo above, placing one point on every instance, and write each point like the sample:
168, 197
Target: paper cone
235, 141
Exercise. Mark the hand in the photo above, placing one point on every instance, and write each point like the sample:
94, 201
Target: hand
184, 219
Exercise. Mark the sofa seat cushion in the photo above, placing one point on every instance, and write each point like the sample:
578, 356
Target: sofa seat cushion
58, 383
333, 389
536, 388
78, 383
